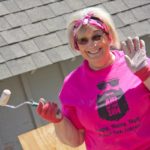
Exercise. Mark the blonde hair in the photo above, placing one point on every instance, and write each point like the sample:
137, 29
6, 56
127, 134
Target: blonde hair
98, 13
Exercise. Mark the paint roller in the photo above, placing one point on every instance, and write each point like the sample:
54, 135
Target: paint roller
5, 96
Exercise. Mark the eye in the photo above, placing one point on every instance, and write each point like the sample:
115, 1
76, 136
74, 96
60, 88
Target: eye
96, 37
82, 41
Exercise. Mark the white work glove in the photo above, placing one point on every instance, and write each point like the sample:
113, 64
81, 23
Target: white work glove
135, 53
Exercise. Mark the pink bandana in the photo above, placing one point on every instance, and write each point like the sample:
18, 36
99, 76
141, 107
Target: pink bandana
88, 19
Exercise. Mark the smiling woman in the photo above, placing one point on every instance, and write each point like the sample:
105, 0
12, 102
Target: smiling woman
93, 44
101, 99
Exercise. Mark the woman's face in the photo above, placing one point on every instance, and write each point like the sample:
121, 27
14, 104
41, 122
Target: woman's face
94, 46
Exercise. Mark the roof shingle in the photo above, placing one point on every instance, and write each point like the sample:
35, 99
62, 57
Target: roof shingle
21, 65
61, 6
40, 13
29, 46
47, 41
4, 25
133, 3
59, 53
55, 24
75, 6
15, 35
141, 28
115, 6
26, 4
40, 59
17, 19
34, 30
12, 52
3, 10
127, 17
4, 72
11, 6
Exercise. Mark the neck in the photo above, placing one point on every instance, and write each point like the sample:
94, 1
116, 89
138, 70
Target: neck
111, 59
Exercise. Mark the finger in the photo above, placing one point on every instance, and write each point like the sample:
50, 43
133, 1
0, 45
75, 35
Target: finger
57, 113
142, 44
51, 112
39, 108
143, 49
54, 108
128, 60
54, 105
124, 48
42, 100
130, 44
136, 42
46, 108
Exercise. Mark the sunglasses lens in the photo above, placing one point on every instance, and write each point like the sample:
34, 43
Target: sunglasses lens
96, 37
102, 86
82, 41
113, 82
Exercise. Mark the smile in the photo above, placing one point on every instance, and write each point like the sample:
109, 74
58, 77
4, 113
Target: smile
94, 53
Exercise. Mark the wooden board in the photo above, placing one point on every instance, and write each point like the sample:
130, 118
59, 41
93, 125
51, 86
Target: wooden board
44, 138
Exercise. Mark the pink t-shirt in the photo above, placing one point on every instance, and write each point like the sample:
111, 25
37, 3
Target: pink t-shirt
111, 105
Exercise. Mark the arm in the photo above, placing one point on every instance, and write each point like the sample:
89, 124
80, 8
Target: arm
64, 128
68, 134
135, 56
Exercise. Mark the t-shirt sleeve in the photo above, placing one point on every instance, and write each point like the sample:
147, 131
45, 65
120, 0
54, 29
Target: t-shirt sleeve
70, 113
68, 98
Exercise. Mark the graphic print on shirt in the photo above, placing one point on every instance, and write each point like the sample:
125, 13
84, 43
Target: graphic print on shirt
111, 102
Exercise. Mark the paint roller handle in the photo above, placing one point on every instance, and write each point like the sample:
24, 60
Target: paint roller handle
34, 104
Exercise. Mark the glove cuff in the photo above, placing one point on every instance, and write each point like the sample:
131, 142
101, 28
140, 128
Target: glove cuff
143, 73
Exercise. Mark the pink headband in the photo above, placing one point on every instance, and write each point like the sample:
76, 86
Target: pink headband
88, 19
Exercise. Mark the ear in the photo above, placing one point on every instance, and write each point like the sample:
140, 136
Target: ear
72, 41
109, 35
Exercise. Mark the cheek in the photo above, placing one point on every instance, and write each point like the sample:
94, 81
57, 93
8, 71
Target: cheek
104, 43
82, 48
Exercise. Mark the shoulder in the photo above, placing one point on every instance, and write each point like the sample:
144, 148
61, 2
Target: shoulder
74, 75
118, 53
71, 81
69, 90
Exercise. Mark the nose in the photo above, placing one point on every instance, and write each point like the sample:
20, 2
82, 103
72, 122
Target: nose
91, 44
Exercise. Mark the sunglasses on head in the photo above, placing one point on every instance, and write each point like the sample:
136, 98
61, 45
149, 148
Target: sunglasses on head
91, 20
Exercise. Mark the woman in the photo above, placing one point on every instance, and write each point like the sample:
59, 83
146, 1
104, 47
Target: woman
105, 101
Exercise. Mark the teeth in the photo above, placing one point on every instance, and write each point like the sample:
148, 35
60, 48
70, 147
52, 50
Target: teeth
93, 52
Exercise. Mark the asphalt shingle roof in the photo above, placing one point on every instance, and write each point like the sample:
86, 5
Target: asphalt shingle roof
33, 32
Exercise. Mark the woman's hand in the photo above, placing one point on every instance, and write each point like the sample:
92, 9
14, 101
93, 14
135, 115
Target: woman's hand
49, 111
135, 53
